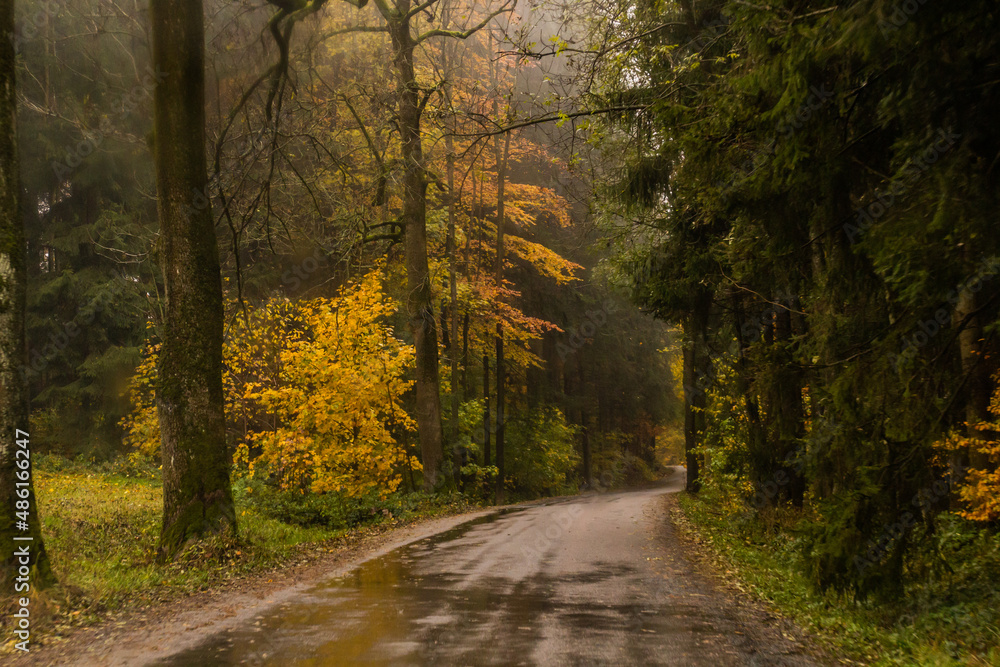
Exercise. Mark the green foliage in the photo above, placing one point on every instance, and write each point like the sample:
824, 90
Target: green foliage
670, 447
787, 190
615, 466
956, 586
541, 453
89, 223
332, 510
947, 619
479, 481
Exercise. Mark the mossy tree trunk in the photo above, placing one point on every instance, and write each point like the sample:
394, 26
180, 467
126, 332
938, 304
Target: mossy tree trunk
420, 301
197, 496
13, 388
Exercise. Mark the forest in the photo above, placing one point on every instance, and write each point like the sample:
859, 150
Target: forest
286, 270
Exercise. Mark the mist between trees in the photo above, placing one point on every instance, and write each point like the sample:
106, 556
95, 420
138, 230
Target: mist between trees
373, 249
433, 269
803, 192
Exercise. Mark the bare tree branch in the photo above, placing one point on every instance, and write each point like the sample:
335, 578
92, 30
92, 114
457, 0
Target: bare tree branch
465, 34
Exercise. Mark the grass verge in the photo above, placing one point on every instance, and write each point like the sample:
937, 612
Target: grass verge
958, 628
101, 528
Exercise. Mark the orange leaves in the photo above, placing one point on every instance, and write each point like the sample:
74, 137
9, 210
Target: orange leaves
979, 491
526, 204
546, 262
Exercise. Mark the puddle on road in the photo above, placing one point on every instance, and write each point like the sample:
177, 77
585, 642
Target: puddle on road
407, 608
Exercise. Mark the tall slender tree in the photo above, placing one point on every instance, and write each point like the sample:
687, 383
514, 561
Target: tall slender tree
501, 158
18, 511
398, 18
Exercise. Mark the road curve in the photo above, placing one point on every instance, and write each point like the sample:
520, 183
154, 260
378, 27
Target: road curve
589, 580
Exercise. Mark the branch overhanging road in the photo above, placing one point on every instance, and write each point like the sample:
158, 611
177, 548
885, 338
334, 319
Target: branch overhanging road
587, 580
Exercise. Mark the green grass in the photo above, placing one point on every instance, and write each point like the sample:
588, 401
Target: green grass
944, 622
101, 526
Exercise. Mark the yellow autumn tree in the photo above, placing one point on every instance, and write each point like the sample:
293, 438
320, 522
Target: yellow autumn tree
338, 399
313, 393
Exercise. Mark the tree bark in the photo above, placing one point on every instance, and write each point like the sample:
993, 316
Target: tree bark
976, 369
696, 373
500, 415
790, 420
588, 466
420, 306
465, 354
486, 411
16, 488
457, 453
759, 451
197, 496
501, 214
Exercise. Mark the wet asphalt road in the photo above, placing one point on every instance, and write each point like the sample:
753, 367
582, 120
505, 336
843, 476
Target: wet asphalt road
592, 580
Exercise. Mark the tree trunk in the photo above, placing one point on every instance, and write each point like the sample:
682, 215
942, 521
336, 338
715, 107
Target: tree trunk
500, 414
486, 411
197, 497
788, 405
445, 338
977, 378
20, 534
419, 305
457, 453
501, 214
465, 354
759, 451
696, 373
588, 465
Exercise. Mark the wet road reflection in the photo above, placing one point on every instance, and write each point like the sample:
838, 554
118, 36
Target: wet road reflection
529, 586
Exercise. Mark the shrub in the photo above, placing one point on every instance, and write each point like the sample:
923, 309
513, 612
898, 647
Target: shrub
541, 453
